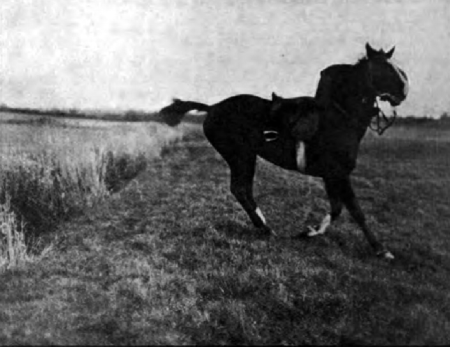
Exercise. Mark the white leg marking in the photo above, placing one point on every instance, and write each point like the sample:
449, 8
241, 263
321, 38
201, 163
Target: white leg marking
323, 227
301, 159
260, 215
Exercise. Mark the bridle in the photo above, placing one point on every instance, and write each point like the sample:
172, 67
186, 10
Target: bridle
376, 122
380, 117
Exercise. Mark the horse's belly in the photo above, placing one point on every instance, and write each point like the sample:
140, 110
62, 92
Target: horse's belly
283, 153
332, 158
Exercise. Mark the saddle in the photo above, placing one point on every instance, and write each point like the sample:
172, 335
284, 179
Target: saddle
300, 123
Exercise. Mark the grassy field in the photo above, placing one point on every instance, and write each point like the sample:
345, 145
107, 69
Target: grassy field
172, 259
53, 168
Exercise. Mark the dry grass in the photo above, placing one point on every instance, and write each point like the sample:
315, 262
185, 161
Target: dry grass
13, 250
53, 169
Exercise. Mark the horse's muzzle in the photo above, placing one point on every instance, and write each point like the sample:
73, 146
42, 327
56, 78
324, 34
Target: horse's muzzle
393, 100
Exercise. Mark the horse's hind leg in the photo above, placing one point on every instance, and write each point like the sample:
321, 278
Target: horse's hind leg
242, 161
242, 168
238, 152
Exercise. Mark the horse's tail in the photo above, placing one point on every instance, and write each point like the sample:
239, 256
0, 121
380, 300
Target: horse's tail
174, 113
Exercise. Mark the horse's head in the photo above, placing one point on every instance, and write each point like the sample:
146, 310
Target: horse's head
388, 81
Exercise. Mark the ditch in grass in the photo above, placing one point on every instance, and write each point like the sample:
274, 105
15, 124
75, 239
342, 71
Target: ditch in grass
55, 169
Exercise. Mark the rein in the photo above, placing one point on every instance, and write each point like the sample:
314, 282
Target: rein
381, 117
377, 121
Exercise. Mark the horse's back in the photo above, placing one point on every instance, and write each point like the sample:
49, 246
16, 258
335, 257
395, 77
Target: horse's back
235, 118
247, 100
241, 110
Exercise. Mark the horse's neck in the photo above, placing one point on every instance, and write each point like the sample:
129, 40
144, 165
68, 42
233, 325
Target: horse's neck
361, 99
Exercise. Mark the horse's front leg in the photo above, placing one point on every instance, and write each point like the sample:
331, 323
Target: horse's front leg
349, 198
332, 188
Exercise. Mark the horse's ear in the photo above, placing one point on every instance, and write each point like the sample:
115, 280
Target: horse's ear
176, 100
370, 51
390, 53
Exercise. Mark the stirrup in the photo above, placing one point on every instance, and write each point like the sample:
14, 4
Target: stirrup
270, 135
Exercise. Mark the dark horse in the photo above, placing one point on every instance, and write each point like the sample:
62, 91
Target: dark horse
243, 127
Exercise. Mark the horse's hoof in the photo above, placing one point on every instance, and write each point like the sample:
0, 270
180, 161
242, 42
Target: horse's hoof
312, 232
268, 232
272, 233
386, 255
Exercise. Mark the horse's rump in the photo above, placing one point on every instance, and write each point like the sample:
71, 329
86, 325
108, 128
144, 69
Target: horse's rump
240, 113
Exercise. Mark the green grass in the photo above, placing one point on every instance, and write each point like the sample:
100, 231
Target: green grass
173, 259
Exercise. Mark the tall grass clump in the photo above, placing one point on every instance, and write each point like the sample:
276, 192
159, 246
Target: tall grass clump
13, 250
51, 171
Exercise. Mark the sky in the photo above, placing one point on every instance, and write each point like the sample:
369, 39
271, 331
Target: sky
138, 54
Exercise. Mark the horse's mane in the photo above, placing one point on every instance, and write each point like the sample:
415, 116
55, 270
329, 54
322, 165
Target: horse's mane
361, 61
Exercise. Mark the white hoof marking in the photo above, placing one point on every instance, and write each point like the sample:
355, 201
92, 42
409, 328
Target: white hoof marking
312, 232
260, 215
323, 227
388, 255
